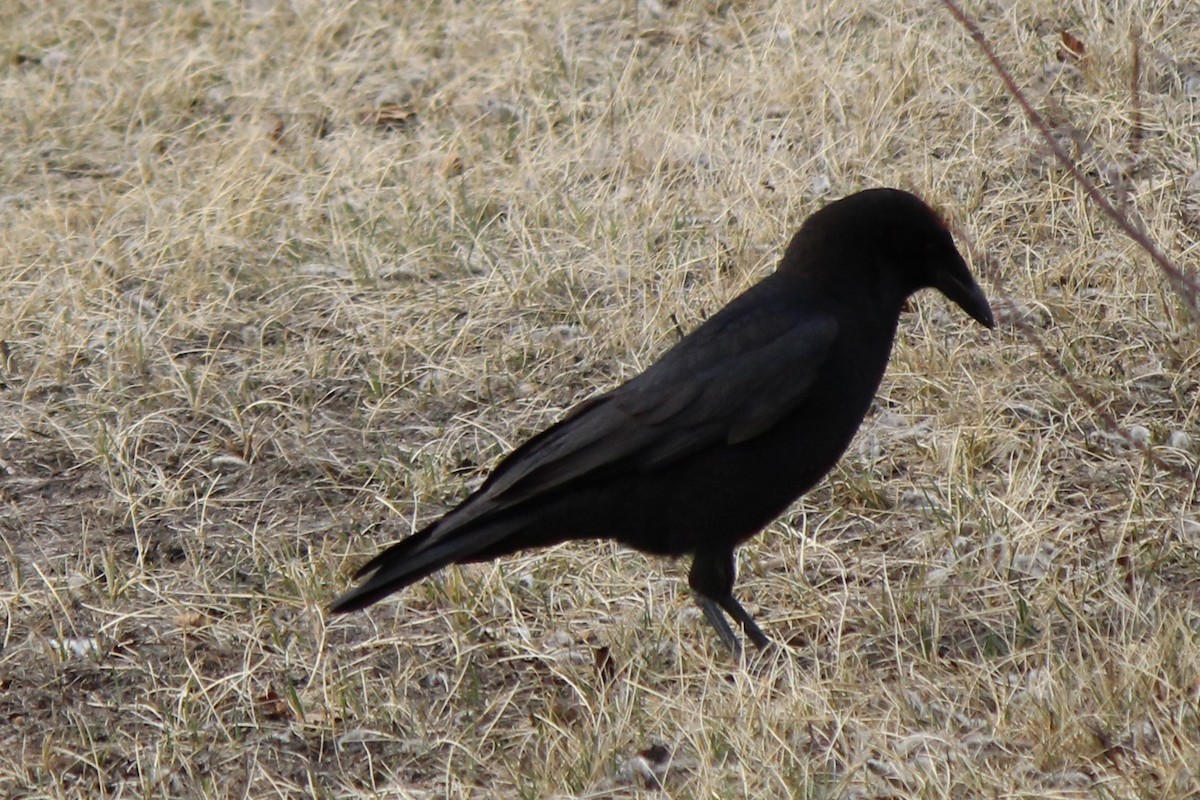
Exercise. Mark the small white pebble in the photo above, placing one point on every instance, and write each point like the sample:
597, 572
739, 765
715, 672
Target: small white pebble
76, 646
1140, 434
637, 768
653, 8
560, 638
890, 419
869, 448
938, 576
1028, 565
577, 657
1178, 440
53, 59
918, 500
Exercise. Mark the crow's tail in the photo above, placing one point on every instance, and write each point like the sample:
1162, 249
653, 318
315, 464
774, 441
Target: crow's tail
421, 554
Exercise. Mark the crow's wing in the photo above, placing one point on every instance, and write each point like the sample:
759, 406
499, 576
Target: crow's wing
730, 381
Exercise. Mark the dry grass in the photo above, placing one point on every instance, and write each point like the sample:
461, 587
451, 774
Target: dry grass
280, 280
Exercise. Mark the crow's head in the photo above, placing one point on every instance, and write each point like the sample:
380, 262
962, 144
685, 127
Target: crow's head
886, 244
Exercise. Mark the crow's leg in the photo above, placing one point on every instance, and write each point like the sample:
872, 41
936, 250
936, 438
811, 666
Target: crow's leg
740, 615
711, 579
716, 618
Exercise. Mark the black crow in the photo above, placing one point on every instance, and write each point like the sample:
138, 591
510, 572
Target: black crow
713, 441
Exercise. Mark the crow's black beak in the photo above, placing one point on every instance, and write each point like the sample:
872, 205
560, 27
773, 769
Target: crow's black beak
965, 292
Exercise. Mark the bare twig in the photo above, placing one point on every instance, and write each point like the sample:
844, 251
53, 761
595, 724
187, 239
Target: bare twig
1060, 369
1185, 285
1135, 81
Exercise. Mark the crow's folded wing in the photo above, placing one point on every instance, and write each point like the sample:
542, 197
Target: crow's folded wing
725, 384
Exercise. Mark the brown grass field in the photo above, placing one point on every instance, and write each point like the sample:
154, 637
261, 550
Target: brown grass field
281, 280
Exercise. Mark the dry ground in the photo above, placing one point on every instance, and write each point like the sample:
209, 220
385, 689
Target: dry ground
280, 280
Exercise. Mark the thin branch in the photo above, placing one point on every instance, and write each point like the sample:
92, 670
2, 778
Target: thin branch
1137, 131
1049, 356
1186, 285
